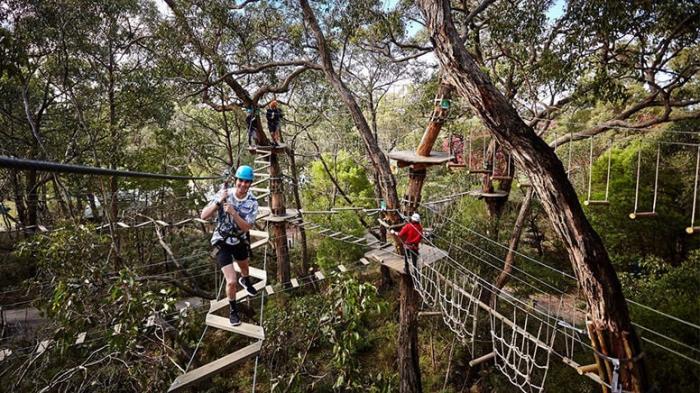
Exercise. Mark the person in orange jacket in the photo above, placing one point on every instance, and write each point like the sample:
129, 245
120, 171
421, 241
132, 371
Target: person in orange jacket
410, 235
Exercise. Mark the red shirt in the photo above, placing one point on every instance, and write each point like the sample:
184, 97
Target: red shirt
411, 234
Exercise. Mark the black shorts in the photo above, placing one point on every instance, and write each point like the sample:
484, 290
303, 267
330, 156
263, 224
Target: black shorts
227, 253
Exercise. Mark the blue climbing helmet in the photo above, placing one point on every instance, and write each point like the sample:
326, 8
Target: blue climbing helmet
244, 172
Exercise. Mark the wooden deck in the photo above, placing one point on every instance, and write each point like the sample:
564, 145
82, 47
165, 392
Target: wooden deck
385, 256
405, 157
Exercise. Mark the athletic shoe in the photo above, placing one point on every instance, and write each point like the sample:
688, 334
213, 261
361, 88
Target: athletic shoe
234, 318
249, 288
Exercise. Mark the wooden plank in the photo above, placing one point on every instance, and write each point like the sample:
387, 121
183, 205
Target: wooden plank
259, 189
162, 223
333, 235
295, 283
42, 228
256, 233
411, 157
364, 261
123, 225
117, 329
215, 367
199, 220
240, 295
245, 329
260, 274
81, 338
258, 182
269, 290
346, 237
258, 244
386, 256
261, 196
143, 224
342, 268
319, 275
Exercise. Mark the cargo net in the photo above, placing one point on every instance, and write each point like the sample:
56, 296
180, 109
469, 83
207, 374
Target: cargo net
522, 347
454, 293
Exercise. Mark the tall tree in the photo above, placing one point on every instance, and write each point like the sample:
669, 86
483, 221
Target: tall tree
589, 258
409, 369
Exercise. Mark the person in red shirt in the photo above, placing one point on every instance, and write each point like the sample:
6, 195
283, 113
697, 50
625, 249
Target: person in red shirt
411, 235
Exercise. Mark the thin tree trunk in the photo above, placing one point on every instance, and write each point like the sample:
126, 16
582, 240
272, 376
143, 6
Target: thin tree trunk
297, 200
595, 273
279, 229
409, 366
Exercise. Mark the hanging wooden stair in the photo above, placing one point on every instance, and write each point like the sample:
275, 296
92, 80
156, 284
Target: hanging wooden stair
258, 239
215, 367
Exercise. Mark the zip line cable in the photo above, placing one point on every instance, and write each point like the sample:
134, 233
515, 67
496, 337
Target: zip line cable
50, 166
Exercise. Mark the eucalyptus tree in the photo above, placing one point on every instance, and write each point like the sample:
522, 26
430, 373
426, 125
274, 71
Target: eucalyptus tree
246, 53
597, 278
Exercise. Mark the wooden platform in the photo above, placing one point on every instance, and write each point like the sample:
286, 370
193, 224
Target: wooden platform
406, 158
385, 256
215, 367
495, 194
265, 215
268, 149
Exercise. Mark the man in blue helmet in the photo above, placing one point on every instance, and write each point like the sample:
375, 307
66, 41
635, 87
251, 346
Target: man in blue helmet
236, 209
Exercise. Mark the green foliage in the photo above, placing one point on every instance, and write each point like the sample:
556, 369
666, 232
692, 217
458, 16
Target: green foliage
321, 194
674, 291
328, 334
627, 240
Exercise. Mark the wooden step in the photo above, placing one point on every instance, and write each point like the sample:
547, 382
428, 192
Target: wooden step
256, 233
240, 295
245, 329
258, 243
215, 367
262, 196
259, 189
255, 183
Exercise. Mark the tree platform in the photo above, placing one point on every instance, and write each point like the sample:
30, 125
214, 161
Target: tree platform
427, 255
406, 158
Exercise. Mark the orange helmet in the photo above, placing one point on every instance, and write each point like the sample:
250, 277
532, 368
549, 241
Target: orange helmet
273, 104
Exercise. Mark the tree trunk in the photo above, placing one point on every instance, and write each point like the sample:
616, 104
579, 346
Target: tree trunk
297, 200
409, 366
408, 323
503, 277
597, 278
279, 229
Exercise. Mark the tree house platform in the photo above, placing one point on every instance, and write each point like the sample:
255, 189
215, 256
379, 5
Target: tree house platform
482, 194
386, 256
266, 215
268, 149
406, 158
